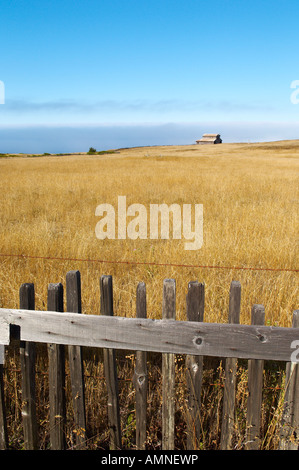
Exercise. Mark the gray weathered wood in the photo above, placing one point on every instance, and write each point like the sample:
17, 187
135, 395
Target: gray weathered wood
168, 370
228, 412
110, 369
165, 336
255, 388
3, 424
27, 360
56, 357
73, 304
140, 375
194, 367
289, 434
5, 333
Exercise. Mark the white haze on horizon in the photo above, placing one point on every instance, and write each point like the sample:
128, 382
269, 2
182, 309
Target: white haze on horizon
70, 139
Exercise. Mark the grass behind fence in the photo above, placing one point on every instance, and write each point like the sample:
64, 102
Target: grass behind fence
96, 404
250, 199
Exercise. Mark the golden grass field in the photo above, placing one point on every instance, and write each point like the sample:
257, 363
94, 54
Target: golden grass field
250, 200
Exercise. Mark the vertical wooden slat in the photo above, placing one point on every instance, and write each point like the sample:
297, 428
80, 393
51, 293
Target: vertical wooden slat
110, 369
194, 367
27, 360
255, 388
140, 375
73, 302
228, 412
289, 434
168, 370
3, 424
56, 357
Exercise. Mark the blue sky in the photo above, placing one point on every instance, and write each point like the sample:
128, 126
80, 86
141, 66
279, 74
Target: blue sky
144, 67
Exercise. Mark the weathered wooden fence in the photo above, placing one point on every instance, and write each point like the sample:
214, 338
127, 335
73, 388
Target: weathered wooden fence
193, 338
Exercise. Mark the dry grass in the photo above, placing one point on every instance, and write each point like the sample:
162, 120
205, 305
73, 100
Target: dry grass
250, 199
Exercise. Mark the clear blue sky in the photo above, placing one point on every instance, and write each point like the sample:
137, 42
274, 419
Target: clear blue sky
210, 65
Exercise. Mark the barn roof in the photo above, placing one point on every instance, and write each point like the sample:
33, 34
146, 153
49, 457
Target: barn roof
211, 135
210, 138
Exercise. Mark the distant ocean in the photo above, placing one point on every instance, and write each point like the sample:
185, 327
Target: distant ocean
69, 139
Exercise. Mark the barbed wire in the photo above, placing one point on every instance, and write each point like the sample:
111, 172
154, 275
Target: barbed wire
147, 263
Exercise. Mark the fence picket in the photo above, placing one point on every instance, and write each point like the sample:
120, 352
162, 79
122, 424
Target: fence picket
73, 299
110, 368
56, 355
27, 359
168, 370
289, 435
228, 413
3, 425
140, 375
194, 367
255, 388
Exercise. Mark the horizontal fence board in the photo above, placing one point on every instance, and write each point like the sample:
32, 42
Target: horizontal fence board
4, 333
166, 336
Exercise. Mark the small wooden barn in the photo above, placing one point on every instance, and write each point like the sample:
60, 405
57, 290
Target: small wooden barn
210, 139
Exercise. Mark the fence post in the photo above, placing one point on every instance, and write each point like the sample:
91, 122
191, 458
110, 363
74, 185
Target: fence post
195, 301
228, 413
110, 368
255, 388
140, 375
168, 370
290, 418
73, 298
27, 359
3, 426
56, 357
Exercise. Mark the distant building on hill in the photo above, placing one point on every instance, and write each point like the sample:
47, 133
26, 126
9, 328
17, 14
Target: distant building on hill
210, 139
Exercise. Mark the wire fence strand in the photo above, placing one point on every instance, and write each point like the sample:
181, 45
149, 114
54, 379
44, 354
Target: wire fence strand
146, 263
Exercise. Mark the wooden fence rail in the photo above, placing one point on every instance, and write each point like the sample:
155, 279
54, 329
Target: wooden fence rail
193, 338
